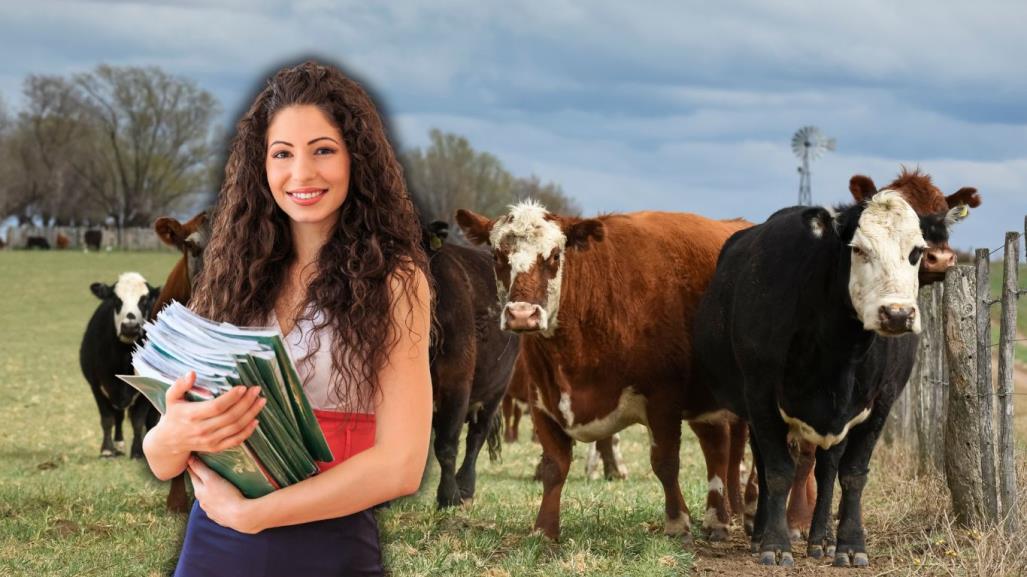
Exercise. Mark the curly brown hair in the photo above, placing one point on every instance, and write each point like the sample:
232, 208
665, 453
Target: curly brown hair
377, 236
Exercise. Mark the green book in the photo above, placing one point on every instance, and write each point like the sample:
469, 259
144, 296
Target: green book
288, 441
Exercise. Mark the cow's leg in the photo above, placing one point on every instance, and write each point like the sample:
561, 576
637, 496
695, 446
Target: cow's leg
759, 517
664, 455
853, 468
477, 434
613, 461
138, 413
119, 436
714, 439
821, 533
448, 421
106, 421
178, 500
739, 433
776, 472
509, 427
751, 499
803, 491
555, 464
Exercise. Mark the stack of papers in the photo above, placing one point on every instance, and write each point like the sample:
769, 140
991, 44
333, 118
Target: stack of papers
288, 440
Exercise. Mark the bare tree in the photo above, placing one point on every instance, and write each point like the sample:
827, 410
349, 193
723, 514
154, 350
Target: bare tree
450, 174
154, 140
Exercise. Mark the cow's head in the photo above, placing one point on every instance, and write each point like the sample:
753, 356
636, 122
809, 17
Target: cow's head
190, 238
881, 246
927, 200
530, 246
131, 298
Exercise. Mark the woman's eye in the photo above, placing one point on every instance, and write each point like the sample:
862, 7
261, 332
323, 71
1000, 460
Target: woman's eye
324, 150
280, 154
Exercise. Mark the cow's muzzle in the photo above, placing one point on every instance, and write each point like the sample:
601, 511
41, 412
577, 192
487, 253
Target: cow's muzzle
129, 332
937, 260
523, 317
897, 319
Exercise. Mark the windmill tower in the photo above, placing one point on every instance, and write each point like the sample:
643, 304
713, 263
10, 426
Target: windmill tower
809, 143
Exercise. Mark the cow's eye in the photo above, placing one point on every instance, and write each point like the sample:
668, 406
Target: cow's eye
915, 254
856, 251
555, 258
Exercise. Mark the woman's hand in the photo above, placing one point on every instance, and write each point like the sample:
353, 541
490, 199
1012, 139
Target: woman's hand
209, 426
220, 499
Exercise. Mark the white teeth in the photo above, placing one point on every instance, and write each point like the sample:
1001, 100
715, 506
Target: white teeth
306, 195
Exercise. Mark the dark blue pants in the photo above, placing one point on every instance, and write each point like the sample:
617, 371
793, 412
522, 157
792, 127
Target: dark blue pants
343, 547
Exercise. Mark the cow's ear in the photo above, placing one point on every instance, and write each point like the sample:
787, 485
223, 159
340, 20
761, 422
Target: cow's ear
819, 222
475, 226
581, 232
862, 188
101, 290
956, 214
967, 195
154, 290
170, 232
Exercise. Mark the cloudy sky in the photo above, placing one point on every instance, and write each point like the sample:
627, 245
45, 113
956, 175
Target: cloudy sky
676, 106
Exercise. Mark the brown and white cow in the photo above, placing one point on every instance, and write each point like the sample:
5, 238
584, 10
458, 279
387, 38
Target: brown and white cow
604, 306
916, 188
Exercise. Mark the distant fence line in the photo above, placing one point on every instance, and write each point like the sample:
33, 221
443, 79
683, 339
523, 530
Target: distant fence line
956, 418
132, 238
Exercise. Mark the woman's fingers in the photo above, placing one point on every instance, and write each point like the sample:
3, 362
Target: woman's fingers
250, 402
238, 438
178, 390
213, 408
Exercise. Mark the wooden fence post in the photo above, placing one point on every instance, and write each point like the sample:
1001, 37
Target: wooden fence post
984, 388
1007, 336
962, 452
927, 384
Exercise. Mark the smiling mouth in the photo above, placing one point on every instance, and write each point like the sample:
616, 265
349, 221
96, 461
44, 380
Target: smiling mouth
307, 194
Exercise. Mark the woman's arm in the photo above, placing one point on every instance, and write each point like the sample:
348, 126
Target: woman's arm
209, 426
391, 468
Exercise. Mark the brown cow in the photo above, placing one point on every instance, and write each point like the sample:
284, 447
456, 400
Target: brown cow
604, 305
920, 192
62, 241
190, 238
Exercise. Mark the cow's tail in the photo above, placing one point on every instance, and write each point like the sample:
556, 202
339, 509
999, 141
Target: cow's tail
495, 437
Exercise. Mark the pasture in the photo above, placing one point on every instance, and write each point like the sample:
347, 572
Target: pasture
64, 511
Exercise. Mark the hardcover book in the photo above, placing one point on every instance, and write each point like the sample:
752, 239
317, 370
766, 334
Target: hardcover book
288, 441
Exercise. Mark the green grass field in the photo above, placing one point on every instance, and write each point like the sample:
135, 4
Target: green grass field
995, 279
65, 511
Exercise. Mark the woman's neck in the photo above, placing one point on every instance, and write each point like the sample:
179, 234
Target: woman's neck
307, 240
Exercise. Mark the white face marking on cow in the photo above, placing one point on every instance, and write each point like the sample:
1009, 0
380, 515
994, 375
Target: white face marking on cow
524, 234
130, 288
881, 276
807, 433
629, 411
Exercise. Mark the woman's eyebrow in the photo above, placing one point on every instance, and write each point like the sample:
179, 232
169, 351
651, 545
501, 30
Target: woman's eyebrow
309, 143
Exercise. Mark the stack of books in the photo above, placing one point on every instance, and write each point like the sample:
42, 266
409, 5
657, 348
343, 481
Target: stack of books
287, 442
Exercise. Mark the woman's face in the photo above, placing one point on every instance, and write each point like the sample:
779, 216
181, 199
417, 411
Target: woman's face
307, 165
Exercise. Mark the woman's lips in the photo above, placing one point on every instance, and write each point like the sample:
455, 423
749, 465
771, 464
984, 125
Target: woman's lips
306, 196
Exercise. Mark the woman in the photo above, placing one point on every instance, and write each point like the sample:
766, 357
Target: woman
314, 232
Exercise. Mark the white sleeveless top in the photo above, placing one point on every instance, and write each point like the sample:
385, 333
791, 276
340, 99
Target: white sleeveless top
316, 372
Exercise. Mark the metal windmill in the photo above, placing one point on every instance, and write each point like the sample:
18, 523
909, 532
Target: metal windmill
808, 144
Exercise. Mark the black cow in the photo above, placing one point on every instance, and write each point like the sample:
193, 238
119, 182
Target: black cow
471, 360
37, 242
106, 351
93, 237
783, 334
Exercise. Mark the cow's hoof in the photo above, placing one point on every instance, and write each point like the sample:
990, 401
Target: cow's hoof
716, 534
107, 454
754, 547
119, 446
860, 560
795, 534
467, 502
748, 526
138, 454
686, 538
841, 560
771, 558
815, 551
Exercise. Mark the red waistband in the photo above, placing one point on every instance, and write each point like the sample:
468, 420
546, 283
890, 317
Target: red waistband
347, 434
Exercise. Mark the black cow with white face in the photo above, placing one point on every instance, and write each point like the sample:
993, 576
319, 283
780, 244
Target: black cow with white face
783, 334
106, 351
